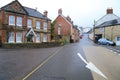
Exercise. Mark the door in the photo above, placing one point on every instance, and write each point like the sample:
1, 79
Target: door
118, 41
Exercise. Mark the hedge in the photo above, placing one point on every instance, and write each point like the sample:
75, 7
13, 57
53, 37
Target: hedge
32, 45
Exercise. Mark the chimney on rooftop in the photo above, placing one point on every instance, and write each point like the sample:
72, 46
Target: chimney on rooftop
59, 11
109, 11
45, 13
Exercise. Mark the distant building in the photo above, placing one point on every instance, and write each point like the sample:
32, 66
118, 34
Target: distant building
19, 24
64, 28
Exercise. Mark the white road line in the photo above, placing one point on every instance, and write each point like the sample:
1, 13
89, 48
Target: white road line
91, 66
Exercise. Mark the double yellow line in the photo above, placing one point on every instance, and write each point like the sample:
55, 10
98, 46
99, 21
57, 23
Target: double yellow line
39, 66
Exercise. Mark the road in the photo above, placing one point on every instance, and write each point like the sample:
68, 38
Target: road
77, 61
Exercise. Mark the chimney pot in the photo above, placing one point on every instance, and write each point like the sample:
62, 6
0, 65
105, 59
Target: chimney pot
60, 11
45, 13
109, 11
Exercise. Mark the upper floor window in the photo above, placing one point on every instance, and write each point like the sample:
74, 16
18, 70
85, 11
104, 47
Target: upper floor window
37, 25
59, 30
19, 21
44, 26
12, 20
29, 23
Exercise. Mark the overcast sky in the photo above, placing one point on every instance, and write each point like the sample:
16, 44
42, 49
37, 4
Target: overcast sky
82, 12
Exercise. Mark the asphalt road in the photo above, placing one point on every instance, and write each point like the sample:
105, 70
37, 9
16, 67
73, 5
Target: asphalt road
77, 61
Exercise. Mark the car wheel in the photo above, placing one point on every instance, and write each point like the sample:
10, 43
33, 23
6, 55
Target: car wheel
108, 44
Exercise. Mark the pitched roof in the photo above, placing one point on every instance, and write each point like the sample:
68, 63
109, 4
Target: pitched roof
105, 18
110, 23
35, 13
31, 12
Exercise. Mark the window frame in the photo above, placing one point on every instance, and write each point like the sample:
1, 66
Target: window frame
17, 38
29, 25
17, 22
38, 26
11, 21
11, 37
45, 26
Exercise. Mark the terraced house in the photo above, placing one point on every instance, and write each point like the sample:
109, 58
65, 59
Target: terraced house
19, 24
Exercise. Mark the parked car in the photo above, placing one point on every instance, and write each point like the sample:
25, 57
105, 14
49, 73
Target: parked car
105, 41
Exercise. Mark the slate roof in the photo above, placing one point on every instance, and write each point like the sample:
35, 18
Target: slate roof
110, 23
31, 12
34, 13
107, 17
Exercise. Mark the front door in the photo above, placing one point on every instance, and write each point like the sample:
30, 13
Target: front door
118, 41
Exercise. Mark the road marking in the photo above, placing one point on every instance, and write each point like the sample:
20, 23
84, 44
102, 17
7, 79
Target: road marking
39, 66
91, 66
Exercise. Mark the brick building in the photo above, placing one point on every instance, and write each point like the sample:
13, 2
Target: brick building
19, 24
64, 28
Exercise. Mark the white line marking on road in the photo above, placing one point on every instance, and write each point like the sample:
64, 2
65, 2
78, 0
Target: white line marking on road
91, 66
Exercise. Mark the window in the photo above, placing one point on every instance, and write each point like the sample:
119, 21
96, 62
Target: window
45, 26
19, 21
38, 38
44, 38
12, 20
11, 37
118, 38
19, 37
29, 23
59, 30
37, 25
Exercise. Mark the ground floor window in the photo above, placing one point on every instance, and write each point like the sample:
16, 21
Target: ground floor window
118, 38
11, 37
19, 37
44, 38
38, 38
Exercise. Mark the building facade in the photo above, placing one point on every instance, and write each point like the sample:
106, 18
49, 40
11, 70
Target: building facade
64, 28
99, 29
19, 24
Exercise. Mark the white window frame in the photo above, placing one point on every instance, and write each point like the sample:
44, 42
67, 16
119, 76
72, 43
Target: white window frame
11, 37
12, 20
18, 37
44, 38
38, 38
29, 23
19, 21
45, 26
37, 24
59, 30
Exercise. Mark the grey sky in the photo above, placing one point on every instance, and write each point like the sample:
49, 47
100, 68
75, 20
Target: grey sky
82, 12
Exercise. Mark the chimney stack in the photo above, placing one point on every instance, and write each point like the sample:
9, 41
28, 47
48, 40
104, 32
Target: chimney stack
60, 11
45, 13
109, 11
